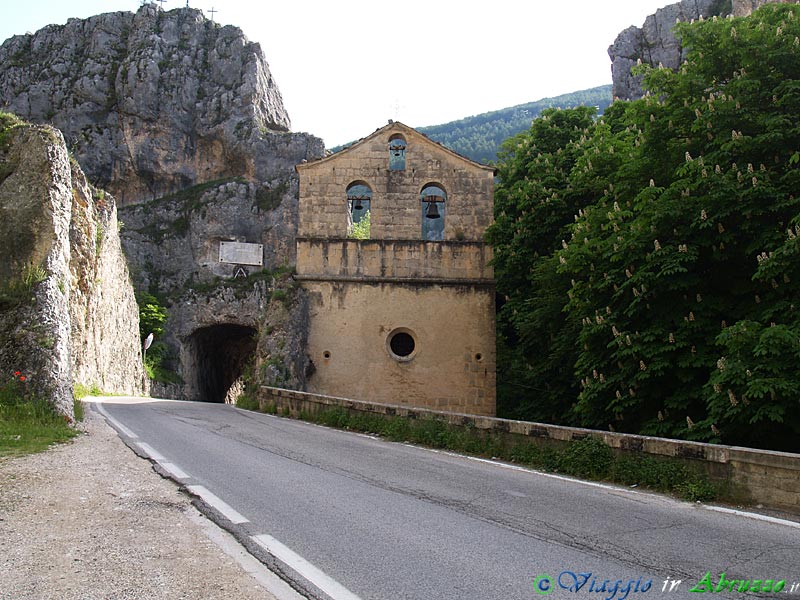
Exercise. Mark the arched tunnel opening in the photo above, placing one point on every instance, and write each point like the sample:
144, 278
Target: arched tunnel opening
220, 354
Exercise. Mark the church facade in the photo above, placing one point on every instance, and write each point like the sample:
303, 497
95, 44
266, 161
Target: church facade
401, 294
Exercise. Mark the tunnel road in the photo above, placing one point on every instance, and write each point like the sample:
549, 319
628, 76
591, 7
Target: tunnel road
348, 516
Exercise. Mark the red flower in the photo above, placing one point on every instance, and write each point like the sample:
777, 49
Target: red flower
22, 377
16, 373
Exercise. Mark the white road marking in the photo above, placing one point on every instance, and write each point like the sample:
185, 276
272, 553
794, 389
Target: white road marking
151, 452
758, 517
228, 544
215, 502
324, 582
615, 488
117, 425
174, 470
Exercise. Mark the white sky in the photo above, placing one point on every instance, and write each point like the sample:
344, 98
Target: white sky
344, 67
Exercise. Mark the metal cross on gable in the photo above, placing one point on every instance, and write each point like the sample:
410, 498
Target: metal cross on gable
162, 3
213, 11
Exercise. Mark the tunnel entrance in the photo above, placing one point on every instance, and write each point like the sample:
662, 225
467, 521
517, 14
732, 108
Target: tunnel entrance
220, 353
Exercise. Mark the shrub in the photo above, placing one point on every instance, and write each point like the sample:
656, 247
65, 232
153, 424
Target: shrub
360, 230
589, 457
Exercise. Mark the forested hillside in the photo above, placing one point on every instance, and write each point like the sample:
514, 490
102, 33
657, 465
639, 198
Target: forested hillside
480, 137
650, 259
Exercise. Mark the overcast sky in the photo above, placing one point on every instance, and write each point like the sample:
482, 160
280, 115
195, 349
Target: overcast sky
344, 67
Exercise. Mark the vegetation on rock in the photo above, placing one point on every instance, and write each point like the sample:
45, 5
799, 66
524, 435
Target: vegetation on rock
650, 258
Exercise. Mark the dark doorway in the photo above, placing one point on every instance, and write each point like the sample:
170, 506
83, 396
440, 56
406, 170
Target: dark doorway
220, 355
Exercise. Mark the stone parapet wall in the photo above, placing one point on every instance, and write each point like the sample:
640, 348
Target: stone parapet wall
756, 476
396, 259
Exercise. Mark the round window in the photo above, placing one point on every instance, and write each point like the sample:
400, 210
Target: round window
401, 344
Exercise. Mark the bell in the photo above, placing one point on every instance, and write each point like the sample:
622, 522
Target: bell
357, 204
433, 211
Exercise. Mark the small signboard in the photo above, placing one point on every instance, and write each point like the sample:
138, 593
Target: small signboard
239, 253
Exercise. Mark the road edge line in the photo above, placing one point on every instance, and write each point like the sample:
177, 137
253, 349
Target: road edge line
239, 554
116, 424
217, 504
305, 569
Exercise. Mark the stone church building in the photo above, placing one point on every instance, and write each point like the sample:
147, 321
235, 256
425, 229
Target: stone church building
407, 315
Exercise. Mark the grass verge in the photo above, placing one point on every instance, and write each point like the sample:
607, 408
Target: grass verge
588, 458
29, 425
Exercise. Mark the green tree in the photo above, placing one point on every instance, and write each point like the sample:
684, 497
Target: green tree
668, 259
672, 297
152, 315
533, 206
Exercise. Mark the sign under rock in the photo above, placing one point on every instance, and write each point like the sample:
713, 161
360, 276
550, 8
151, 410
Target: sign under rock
240, 253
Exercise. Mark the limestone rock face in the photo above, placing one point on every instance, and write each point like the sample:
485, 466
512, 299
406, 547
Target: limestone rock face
67, 312
181, 120
654, 43
173, 244
152, 102
104, 316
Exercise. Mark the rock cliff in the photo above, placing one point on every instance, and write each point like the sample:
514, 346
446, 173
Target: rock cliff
180, 118
654, 42
67, 311
153, 102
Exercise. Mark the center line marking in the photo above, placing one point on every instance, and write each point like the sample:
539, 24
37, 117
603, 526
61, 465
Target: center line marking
324, 582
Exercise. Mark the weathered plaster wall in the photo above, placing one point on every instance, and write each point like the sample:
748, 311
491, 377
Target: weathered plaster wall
451, 368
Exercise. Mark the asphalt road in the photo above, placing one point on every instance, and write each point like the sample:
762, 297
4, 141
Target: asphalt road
358, 517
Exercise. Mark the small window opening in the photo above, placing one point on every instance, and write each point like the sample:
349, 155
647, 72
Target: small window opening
397, 153
432, 203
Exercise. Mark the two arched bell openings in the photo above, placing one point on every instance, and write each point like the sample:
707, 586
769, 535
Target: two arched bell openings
432, 202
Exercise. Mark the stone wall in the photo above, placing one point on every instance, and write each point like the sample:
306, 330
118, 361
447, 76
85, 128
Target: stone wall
394, 260
764, 477
395, 207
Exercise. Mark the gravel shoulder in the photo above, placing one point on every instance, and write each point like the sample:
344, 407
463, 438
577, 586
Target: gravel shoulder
91, 520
